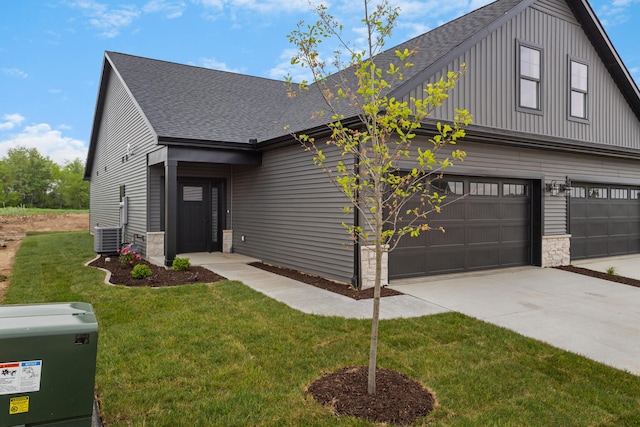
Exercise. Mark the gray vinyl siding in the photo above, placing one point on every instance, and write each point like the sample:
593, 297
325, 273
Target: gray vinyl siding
121, 124
489, 89
291, 215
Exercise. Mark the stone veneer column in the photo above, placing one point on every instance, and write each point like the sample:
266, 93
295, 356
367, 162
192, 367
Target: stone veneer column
368, 267
155, 244
227, 241
556, 250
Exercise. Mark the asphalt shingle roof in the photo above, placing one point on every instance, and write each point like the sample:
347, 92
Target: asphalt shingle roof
193, 103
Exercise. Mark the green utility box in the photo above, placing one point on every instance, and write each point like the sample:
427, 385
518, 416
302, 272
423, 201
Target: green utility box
47, 364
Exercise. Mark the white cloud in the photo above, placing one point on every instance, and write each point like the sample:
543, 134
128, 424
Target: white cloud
108, 21
49, 142
261, 6
285, 68
216, 65
615, 12
9, 121
171, 9
15, 72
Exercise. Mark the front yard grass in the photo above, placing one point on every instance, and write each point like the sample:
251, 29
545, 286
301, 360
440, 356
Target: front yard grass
223, 354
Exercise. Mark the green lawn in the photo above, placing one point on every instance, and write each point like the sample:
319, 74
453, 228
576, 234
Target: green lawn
21, 210
223, 354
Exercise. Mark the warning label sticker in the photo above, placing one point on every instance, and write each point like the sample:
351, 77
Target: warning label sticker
20, 377
18, 405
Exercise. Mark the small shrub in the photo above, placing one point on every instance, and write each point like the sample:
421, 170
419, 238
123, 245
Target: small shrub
611, 271
141, 271
181, 264
128, 257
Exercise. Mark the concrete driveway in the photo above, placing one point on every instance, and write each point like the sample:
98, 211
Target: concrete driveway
595, 318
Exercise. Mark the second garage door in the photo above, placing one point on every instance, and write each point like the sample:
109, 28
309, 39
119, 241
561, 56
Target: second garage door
604, 220
488, 226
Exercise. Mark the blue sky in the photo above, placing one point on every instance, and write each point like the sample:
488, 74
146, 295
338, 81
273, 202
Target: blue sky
51, 51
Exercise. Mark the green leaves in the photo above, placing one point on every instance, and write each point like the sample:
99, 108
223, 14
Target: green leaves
385, 159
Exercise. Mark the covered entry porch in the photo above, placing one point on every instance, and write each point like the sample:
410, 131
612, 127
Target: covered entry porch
189, 203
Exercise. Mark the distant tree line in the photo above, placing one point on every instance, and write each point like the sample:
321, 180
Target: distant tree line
27, 178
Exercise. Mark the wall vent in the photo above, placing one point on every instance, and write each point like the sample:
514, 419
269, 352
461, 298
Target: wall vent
107, 240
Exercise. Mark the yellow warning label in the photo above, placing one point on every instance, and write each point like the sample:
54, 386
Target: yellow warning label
18, 405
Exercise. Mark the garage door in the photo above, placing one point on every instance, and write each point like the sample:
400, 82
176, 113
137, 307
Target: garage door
488, 226
604, 220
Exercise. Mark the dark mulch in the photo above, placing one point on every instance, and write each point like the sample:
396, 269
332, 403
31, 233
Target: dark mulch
161, 277
601, 275
398, 399
321, 282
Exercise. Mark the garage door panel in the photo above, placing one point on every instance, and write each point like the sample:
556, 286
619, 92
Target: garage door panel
618, 228
454, 211
453, 234
514, 233
412, 262
598, 210
482, 257
578, 210
483, 208
618, 245
511, 255
599, 228
619, 210
444, 262
483, 233
515, 210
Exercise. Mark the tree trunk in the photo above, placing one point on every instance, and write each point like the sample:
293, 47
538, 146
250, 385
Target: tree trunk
373, 348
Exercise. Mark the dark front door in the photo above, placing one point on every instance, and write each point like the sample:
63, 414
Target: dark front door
200, 216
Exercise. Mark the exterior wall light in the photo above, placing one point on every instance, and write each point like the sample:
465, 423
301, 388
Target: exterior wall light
555, 189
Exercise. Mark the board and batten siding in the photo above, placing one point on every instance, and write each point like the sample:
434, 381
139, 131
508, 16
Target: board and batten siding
291, 214
121, 124
489, 88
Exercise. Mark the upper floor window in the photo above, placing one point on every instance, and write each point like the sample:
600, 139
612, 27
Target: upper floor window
579, 79
530, 78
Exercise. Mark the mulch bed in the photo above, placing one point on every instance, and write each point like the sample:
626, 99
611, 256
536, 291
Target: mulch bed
398, 400
161, 277
321, 282
601, 275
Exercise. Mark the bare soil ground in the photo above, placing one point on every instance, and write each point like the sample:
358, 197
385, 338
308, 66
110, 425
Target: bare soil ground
13, 228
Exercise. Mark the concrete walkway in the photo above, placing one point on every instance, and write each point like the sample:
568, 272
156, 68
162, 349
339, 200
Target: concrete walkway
307, 298
592, 317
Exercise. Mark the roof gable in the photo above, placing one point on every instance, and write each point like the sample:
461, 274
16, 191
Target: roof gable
183, 102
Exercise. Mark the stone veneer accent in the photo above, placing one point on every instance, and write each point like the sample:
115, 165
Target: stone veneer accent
155, 244
368, 267
227, 241
556, 250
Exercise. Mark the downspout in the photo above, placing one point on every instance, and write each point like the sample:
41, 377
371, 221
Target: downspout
356, 281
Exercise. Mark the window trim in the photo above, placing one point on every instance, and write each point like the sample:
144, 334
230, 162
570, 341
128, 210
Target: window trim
571, 59
540, 110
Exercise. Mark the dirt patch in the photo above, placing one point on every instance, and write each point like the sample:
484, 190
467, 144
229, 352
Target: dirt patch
160, 276
13, 228
398, 400
321, 282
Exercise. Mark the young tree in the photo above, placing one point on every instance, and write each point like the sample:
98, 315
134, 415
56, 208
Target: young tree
381, 136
